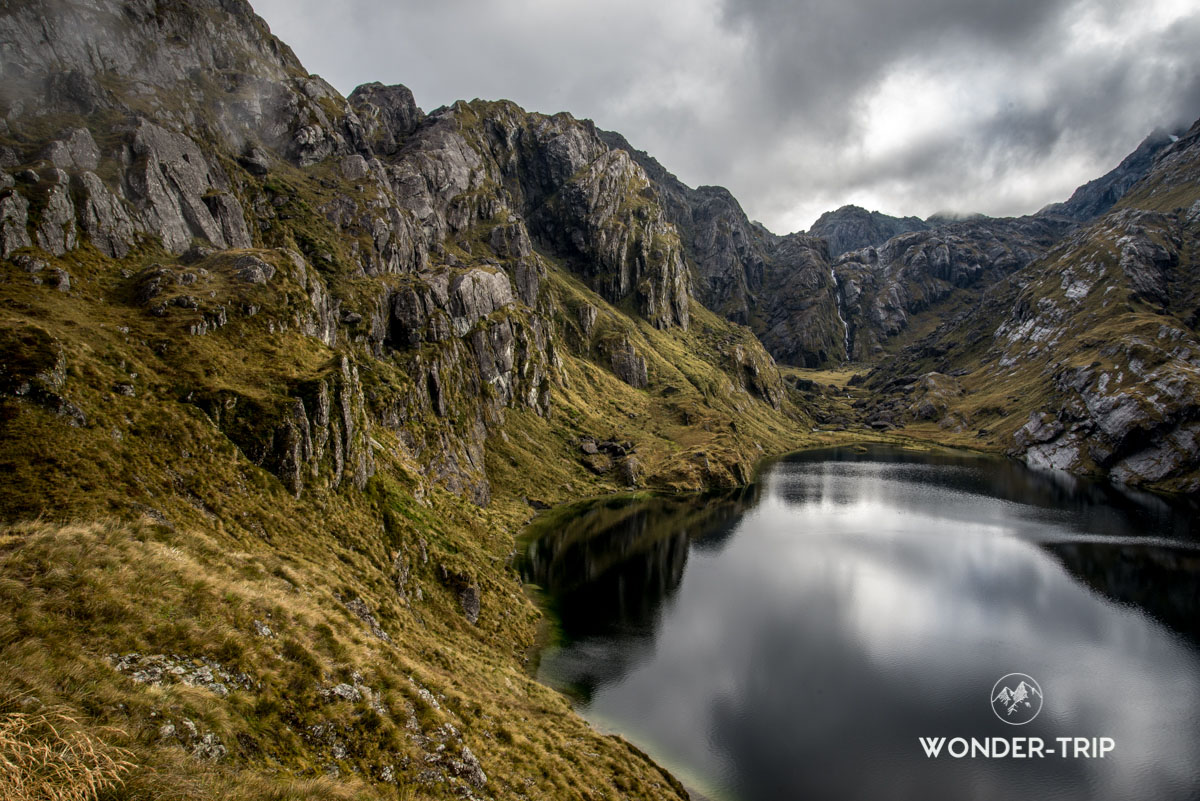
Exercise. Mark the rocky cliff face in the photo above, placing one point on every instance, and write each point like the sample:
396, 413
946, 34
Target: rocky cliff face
727, 252
422, 239
277, 325
853, 228
918, 276
141, 74
779, 286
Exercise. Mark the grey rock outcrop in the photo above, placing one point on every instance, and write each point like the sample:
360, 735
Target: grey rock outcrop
798, 318
388, 114
52, 64
77, 150
1095, 340
34, 366
162, 669
475, 294
511, 242
14, 223
628, 365
726, 251
737, 267
319, 435
757, 373
253, 270
103, 217
56, 229
169, 180
884, 289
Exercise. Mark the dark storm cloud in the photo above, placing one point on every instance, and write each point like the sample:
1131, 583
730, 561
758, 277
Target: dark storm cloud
997, 106
814, 56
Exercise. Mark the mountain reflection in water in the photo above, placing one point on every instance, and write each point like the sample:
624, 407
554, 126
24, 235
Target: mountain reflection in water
796, 638
609, 570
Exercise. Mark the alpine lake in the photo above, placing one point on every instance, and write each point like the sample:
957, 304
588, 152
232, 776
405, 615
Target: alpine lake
810, 635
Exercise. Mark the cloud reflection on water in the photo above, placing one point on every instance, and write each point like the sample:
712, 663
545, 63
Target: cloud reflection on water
859, 605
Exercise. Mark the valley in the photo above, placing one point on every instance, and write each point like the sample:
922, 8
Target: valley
285, 372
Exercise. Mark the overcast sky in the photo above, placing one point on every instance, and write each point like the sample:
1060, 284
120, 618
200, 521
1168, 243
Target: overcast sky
801, 106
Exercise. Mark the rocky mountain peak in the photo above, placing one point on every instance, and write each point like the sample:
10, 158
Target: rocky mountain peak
853, 227
85, 56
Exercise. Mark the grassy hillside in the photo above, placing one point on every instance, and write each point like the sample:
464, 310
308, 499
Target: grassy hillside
216, 634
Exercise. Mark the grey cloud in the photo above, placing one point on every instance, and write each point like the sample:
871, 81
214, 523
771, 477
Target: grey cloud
1085, 104
817, 56
1097, 103
771, 97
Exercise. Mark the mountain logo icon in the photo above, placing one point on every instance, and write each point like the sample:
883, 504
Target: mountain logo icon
1016, 698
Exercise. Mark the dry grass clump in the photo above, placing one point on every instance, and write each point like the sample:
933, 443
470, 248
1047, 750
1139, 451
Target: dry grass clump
47, 756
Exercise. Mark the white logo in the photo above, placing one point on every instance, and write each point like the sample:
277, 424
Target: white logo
1016, 698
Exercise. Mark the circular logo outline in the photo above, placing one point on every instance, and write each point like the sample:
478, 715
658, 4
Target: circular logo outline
995, 696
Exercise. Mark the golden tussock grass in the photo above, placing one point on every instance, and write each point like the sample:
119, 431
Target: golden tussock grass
47, 756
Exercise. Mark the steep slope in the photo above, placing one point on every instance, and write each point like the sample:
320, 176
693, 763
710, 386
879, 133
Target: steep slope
1096, 197
853, 228
282, 374
1086, 360
728, 252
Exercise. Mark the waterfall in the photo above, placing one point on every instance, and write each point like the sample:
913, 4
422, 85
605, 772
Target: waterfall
837, 296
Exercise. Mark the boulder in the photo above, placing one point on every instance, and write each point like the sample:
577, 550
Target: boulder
256, 161
169, 181
474, 295
253, 270
511, 242
630, 471
56, 229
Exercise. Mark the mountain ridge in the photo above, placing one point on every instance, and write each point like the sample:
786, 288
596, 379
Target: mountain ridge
1098, 196
327, 354
920, 308
1083, 361
284, 371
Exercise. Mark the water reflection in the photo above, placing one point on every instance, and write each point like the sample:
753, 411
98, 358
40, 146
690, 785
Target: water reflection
795, 641
1096, 507
608, 567
1155, 579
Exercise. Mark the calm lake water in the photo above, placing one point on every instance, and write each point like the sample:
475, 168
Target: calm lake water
795, 639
